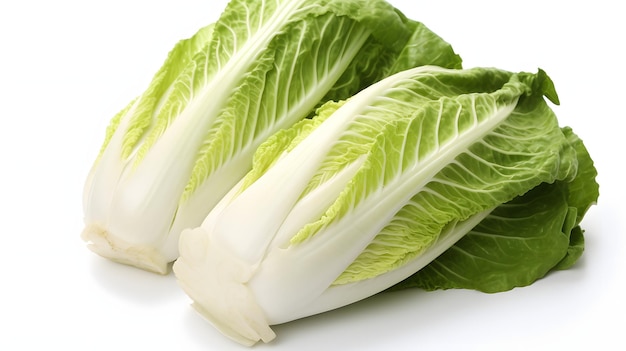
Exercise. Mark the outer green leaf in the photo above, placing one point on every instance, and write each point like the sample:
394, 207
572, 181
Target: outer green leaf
520, 241
516, 244
583, 190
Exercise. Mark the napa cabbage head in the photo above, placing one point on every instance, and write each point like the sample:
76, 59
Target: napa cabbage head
174, 151
371, 190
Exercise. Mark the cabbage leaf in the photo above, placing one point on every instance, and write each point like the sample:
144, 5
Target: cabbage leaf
520, 241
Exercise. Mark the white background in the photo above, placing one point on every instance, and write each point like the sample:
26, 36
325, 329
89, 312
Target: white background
66, 67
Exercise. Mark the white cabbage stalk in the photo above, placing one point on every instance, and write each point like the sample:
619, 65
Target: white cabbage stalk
172, 153
347, 204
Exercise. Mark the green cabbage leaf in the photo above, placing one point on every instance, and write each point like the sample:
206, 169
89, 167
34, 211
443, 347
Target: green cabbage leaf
520, 241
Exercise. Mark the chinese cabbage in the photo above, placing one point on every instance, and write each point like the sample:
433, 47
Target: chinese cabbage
368, 192
173, 152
